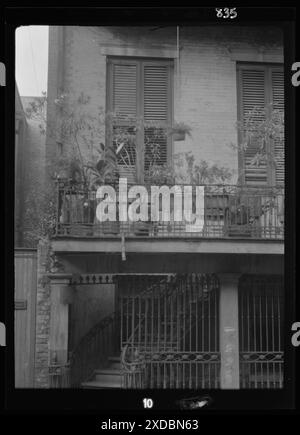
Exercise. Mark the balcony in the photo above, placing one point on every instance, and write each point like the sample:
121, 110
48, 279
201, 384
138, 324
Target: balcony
230, 212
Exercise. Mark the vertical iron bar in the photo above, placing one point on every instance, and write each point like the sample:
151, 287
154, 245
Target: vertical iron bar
216, 319
139, 320
196, 320
165, 345
184, 315
158, 320
272, 317
254, 333
209, 318
267, 337
190, 314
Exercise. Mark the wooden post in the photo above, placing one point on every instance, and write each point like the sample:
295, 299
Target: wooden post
61, 297
229, 332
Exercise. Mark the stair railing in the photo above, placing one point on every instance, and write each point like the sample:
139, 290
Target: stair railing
93, 350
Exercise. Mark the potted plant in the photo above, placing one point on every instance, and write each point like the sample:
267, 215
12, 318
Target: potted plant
75, 204
214, 177
243, 214
160, 175
179, 130
103, 170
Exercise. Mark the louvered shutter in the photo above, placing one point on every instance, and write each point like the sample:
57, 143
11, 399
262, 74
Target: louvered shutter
253, 95
140, 89
124, 104
278, 103
125, 90
156, 99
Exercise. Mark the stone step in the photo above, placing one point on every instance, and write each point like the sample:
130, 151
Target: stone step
94, 384
107, 375
114, 362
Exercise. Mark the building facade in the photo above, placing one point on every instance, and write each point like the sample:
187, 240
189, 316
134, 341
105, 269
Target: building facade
163, 303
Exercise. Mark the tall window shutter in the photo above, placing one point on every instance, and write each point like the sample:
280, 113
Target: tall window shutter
124, 105
253, 95
140, 88
156, 83
278, 102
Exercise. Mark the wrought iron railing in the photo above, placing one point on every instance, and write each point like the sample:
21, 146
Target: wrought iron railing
134, 346
229, 212
130, 307
261, 338
132, 367
94, 348
190, 370
177, 370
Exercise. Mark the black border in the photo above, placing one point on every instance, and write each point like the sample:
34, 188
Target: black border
93, 402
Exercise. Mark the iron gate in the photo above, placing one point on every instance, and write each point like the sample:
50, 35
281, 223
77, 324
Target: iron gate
261, 332
169, 331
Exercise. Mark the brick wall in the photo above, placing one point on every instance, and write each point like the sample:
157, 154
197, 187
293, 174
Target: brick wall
42, 353
205, 94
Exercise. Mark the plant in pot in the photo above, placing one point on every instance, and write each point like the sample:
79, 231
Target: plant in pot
125, 154
74, 203
103, 169
130, 155
179, 130
155, 172
214, 177
81, 165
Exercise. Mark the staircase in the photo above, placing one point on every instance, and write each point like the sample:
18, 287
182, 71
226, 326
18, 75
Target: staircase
109, 377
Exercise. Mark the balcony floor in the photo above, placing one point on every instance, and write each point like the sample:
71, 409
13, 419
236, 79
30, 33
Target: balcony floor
167, 245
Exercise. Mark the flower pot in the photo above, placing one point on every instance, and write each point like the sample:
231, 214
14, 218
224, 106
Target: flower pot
109, 227
141, 228
239, 230
179, 136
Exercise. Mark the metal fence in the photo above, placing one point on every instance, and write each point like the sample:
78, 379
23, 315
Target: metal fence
169, 328
229, 212
261, 332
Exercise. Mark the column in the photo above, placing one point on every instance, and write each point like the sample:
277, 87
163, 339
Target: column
60, 298
229, 330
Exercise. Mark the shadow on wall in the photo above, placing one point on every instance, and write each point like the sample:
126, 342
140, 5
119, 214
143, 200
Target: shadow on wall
91, 304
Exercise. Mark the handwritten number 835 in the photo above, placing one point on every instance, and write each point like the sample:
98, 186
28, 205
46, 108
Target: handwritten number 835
226, 13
